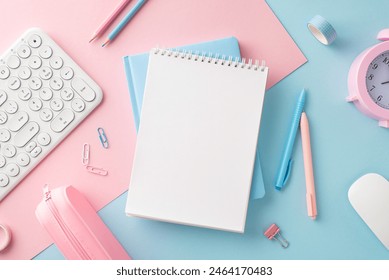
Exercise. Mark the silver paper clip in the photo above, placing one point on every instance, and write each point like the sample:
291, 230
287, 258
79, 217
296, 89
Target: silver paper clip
96, 170
85, 154
273, 232
103, 137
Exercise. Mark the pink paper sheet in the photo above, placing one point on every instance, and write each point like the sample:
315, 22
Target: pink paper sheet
166, 23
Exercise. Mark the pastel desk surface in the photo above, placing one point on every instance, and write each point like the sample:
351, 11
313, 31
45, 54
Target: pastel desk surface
345, 145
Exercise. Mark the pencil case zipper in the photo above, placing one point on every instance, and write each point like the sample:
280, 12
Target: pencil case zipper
68, 233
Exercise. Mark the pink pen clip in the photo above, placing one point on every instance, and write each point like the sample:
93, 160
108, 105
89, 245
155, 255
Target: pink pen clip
273, 232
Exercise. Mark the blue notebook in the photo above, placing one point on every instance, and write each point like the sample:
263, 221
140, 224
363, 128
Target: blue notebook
136, 72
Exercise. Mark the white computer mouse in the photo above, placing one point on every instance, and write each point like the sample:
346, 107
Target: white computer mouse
369, 195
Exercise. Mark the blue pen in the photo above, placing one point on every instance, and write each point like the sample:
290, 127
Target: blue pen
286, 163
124, 21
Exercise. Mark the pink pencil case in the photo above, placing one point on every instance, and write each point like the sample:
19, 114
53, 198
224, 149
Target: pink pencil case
76, 228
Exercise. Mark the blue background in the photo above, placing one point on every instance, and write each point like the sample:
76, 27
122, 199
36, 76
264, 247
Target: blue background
345, 146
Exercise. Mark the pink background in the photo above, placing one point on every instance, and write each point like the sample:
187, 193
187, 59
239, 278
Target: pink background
167, 23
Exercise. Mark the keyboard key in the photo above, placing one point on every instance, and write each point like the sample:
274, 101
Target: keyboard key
3, 97
67, 94
24, 73
34, 41
78, 105
45, 73
82, 88
8, 150
56, 62
67, 73
25, 94
13, 61
3, 161
46, 114
11, 107
5, 135
56, 104
12, 169
44, 139
62, 120
30, 146
35, 62
22, 159
46, 94
4, 72
3, 180
45, 52
3, 117
25, 134
17, 121
14, 83
56, 83
36, 152
35, 83
35, 104
24, 51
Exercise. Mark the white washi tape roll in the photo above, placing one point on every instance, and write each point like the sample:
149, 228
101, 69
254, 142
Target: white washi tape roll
5, 237
322, 30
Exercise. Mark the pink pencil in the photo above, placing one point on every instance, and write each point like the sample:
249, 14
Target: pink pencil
109, 19
309, 179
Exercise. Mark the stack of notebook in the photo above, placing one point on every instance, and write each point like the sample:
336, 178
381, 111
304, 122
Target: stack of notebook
197, 116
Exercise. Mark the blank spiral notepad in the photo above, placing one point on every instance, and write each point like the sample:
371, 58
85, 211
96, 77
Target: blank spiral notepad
197, 140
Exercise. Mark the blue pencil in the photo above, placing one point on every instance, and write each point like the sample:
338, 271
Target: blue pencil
124, 22
286, 162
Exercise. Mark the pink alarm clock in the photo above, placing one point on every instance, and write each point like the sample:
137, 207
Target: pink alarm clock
368, 81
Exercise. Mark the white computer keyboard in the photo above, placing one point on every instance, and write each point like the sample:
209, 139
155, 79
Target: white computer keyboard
44, 95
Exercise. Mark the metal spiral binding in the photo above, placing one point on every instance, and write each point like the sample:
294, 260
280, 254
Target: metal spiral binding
212, 58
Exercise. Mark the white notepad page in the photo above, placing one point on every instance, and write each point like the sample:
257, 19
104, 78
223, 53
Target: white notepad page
197, 140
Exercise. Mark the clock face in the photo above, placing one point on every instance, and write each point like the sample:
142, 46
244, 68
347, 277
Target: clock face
377, 80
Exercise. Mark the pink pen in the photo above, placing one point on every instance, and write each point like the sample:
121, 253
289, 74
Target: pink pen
309, 179
109, 19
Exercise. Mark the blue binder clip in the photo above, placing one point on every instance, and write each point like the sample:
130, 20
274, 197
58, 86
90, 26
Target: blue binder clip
103, 137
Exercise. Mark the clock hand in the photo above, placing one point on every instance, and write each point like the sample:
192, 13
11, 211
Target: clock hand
387, 82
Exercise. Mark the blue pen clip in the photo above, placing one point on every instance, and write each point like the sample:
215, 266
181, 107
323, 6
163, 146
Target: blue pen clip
287, 174
103, 137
